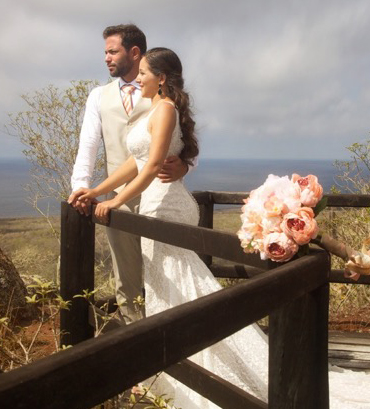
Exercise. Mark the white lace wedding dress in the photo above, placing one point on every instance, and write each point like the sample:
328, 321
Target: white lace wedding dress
174, 276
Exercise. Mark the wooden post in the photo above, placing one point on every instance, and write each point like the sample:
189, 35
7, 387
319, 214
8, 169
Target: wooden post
76, 273
298, 353
206, 220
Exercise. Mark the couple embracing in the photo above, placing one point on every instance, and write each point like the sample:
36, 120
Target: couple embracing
146, 124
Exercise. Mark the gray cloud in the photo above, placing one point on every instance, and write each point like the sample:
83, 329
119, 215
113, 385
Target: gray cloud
268, 79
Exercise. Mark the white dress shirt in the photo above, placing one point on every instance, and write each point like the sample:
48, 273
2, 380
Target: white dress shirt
91, 135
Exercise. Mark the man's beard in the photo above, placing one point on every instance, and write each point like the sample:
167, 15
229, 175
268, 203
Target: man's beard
123, 69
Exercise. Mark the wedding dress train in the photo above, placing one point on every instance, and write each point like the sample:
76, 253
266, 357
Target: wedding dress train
174, 276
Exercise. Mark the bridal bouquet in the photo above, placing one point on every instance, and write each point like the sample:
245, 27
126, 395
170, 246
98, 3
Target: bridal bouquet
278, 221
279, 216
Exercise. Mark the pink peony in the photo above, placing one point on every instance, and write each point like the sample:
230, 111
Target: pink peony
271, 224
279, 247
300, 226
281, 191
311, 190
275, 206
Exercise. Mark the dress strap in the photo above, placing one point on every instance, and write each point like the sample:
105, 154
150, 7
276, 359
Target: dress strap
160, 102
169, 102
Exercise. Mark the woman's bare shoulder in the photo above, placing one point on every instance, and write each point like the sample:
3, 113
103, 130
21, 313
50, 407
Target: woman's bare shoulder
164, 110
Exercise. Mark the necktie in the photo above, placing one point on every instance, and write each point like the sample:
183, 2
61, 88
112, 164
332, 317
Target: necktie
128, 89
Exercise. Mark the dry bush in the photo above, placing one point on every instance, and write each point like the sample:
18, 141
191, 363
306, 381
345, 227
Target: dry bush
350, 226
34, 250
30, 261
50, 130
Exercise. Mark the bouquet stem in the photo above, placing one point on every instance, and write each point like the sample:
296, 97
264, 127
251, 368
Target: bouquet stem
333, 246
357, 263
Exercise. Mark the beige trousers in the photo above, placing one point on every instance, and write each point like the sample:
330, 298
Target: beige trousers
127, 267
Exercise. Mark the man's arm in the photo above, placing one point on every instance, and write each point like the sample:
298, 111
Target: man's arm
90, 137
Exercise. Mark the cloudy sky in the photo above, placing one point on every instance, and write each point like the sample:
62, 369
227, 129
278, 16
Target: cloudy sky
269, 79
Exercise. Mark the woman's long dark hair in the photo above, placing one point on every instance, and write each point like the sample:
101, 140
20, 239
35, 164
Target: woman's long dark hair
165, 61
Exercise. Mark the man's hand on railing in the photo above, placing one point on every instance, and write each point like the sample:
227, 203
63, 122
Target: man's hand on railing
82, 205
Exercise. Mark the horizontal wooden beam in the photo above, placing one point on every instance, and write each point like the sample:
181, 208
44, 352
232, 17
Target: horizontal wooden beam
236, 198
202, 197
337, 276
222, 393
204, 382
234, 271
130, 354
199, 239
348, 200
244, 271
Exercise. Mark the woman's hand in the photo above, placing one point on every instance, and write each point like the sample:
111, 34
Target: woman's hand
102, 209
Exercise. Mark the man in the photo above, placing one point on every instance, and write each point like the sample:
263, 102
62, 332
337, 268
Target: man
111, 112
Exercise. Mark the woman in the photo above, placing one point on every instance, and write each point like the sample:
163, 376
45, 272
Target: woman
172, 275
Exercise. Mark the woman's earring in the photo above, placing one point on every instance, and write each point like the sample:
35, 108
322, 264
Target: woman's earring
160, 89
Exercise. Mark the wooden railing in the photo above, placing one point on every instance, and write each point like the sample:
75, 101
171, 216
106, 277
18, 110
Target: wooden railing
295, 296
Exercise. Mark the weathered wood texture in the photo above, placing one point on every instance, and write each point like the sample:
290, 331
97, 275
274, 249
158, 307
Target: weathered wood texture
348, 200
207, 384
206, 220
130, 354
234, 271
203, 197
337, 276
298, 353
76, 273
350, 350
245, 271
199, 239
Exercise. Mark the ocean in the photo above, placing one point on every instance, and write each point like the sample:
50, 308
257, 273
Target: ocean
233, 175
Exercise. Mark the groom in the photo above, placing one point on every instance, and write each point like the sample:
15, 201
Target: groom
110, 114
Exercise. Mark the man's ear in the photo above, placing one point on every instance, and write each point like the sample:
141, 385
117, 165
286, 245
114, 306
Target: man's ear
135, 53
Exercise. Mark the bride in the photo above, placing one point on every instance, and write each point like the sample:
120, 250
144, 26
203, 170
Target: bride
173, 275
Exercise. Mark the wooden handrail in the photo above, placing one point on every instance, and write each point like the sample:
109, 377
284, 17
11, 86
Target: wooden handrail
236, 198
200, 239
244, 271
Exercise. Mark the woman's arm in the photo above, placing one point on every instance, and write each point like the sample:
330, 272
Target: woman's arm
125, 173
161, 126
